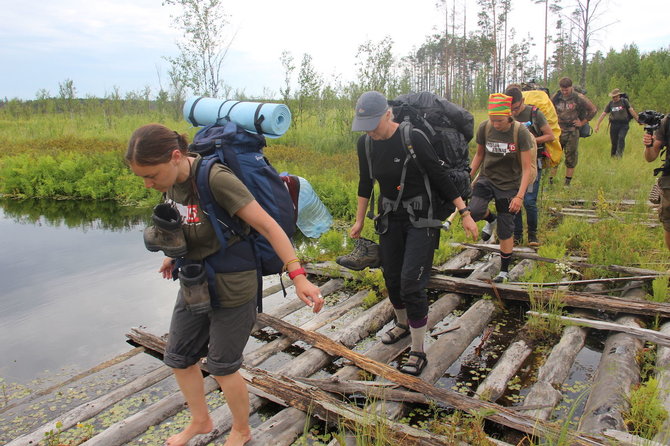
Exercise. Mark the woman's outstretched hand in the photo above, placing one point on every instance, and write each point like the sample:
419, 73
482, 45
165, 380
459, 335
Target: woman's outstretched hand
166, 268
308, 293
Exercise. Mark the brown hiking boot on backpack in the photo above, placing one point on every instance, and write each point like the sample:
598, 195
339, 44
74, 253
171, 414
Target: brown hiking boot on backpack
166, 234
365, 254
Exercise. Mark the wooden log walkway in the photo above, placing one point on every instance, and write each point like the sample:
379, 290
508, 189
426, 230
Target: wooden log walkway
341, 352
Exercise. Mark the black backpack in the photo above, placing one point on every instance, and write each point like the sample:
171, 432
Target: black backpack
448, 127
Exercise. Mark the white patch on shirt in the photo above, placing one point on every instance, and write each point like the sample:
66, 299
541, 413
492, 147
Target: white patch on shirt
501, 147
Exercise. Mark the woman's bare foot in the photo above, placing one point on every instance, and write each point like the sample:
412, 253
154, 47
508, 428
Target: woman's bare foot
191, 431
237, 438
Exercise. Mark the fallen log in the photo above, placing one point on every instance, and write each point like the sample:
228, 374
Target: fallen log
642, 333
512, 292
92, 408
553, 373
491, 411
304, 365
386, 352
295, 304
277, 430
125, 430
462, 259
321, 404
262, 353
495, 383
575, 262
444, 352
587, 281
617, 373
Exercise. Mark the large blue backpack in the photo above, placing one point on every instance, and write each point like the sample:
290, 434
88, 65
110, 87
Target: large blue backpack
242, 152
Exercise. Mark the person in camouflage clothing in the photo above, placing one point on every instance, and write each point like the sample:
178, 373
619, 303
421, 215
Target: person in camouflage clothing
574, 111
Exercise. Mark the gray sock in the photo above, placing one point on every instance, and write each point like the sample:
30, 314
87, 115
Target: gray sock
417, 338
401, 316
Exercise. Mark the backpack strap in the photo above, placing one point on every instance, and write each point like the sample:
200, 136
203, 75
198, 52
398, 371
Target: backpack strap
224, 224
406, 129
258, 119
368, 156
533, 120
191, 113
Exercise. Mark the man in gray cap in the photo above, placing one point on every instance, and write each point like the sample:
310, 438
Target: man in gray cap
370, 108
408, 233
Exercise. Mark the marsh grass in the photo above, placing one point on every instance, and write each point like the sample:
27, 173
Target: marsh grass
646, 413
545, 328
660, 290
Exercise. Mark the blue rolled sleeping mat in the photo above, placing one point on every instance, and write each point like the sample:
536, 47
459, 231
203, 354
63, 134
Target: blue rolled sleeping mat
271, 120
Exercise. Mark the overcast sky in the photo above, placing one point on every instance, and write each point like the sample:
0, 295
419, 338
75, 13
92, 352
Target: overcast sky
103, 44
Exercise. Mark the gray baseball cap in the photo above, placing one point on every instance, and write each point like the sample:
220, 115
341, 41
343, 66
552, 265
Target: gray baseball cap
370, 108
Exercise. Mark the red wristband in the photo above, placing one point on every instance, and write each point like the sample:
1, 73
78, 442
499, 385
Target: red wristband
296, 272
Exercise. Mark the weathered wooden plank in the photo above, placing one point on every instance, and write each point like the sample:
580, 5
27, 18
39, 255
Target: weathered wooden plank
575, 262
512, 292
331, 286
262, 353
584, 282
642, 333
494, 412
92, 408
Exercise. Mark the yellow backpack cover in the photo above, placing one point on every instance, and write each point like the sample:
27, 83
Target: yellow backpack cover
541, 100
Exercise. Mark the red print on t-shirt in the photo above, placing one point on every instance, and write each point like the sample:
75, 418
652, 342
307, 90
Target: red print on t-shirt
192, 214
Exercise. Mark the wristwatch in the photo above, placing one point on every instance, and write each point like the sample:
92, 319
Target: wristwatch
464, 210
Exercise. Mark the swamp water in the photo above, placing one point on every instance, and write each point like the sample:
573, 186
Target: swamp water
75, 278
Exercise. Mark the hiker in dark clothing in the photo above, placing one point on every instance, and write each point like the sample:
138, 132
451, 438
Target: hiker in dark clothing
653, 146
160, 157
620, 112
406, 250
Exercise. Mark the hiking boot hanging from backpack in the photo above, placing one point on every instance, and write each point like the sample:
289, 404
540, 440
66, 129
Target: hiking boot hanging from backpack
365, 254
166, 233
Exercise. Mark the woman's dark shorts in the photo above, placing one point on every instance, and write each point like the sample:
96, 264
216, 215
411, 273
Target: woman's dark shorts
483, 192
220, 335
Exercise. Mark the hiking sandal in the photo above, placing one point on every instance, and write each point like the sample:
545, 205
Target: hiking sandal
414, 366
391, 338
